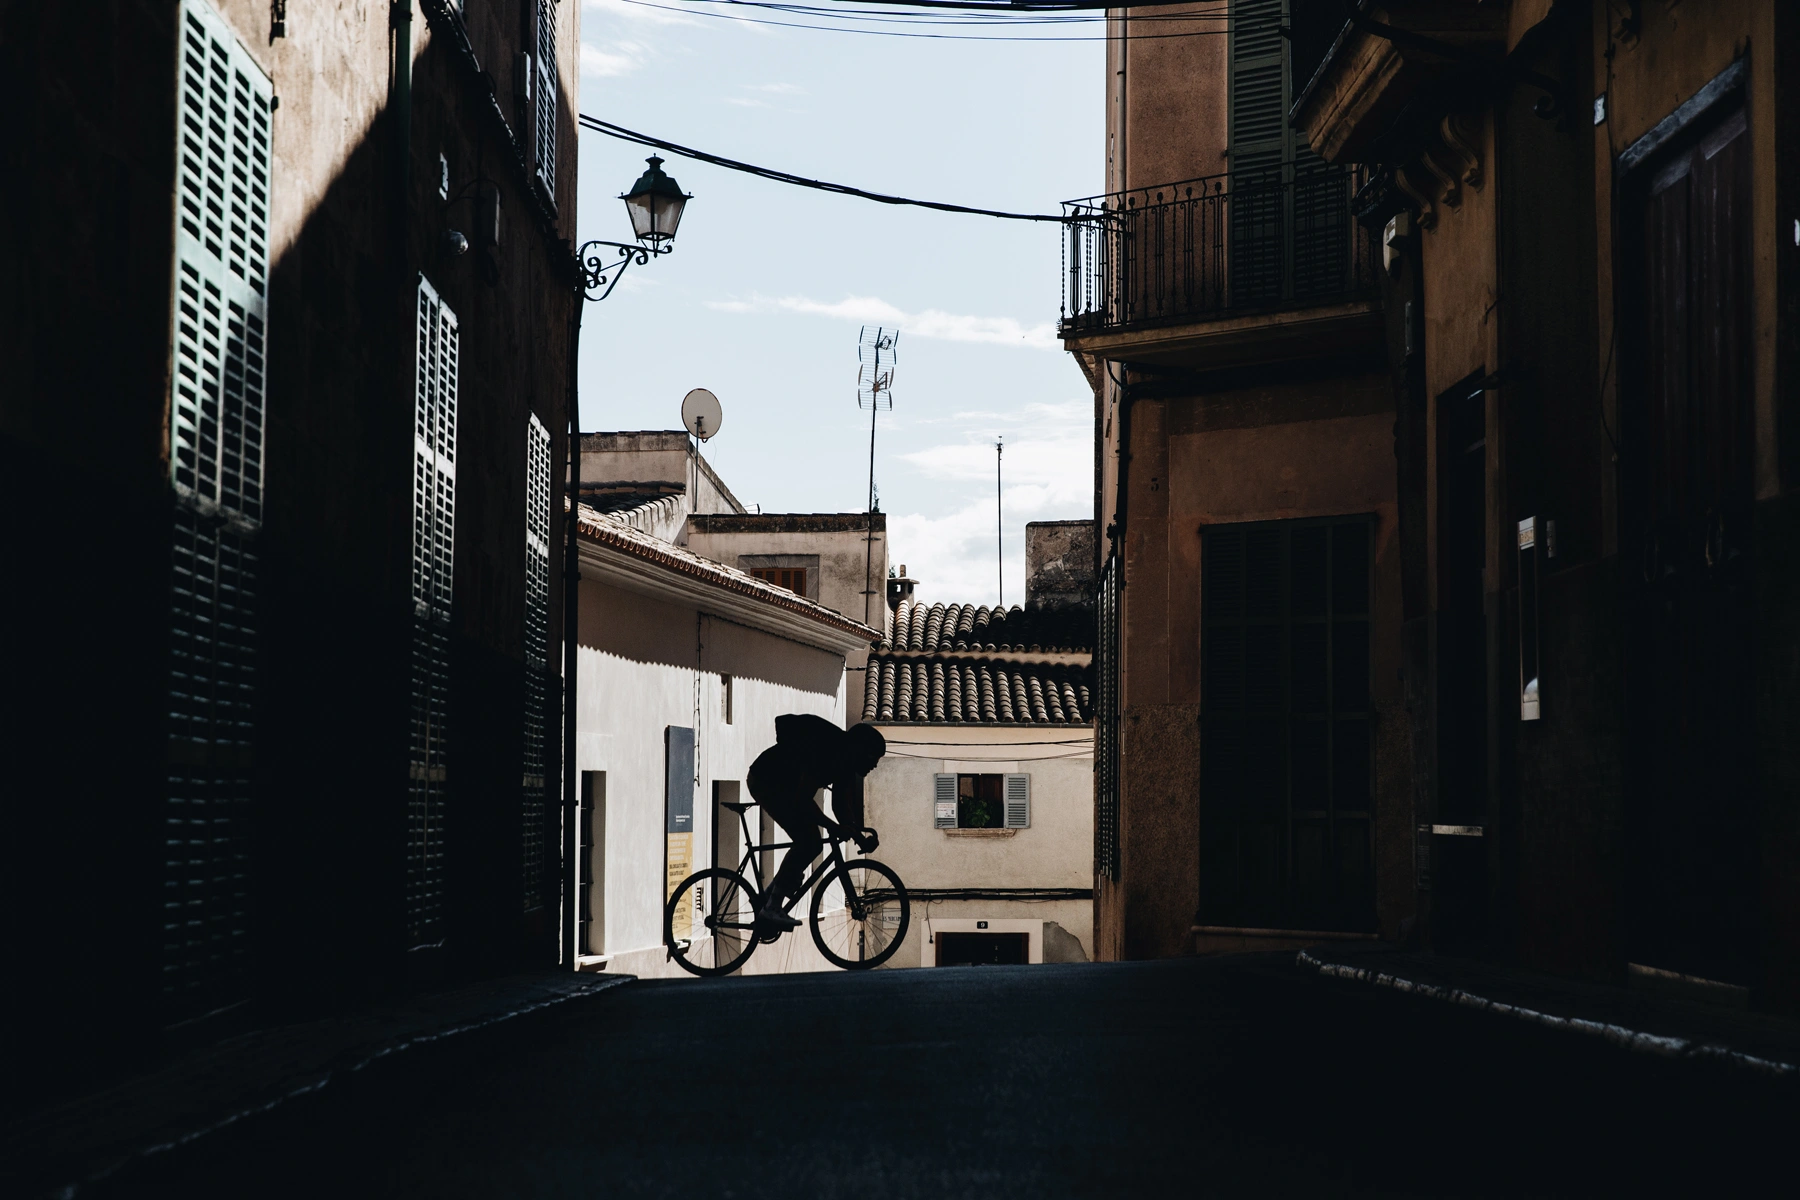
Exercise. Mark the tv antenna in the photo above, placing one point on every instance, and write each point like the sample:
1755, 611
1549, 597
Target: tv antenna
999, 524
875, 356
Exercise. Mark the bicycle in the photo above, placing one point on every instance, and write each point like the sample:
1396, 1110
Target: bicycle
861, 930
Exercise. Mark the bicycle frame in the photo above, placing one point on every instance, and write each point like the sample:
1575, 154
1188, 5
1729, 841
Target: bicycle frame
815, 875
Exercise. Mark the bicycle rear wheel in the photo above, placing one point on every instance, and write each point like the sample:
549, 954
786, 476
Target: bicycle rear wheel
868, 918
715, 910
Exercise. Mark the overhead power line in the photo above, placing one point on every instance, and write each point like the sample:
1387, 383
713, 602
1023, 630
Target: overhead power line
842, 189
839, 21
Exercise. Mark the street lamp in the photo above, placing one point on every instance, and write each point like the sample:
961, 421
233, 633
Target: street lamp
655, 203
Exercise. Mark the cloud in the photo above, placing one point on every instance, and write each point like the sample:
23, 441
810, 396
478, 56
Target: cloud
639, 12
621, 59
931, 323
741, 102
1047, 472
777, 89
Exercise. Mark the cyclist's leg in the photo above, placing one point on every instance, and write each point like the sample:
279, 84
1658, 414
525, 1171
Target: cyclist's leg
798, 821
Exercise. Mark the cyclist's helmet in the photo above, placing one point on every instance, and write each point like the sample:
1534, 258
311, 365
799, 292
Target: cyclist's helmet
866, 747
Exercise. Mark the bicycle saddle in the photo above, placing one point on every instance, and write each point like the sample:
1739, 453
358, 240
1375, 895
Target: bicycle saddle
737, 807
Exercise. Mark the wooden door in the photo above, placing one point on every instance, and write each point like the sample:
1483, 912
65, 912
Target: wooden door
1686, 471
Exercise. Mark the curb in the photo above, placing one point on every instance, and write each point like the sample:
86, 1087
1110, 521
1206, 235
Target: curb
1632, 1040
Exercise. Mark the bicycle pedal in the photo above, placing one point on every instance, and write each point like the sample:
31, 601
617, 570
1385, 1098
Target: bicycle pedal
768, 939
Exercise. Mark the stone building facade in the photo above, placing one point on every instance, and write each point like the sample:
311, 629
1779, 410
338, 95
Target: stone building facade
288, 349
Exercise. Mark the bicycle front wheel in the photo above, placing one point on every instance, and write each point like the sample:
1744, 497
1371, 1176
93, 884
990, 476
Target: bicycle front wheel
866, 917
709, 923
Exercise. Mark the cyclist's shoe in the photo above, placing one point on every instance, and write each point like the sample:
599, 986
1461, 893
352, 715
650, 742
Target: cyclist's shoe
774, 923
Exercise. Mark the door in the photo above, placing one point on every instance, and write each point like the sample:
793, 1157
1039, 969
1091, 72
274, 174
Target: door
1691, 810
1285, 725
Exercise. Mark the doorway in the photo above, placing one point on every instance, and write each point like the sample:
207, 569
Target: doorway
1687, 491
983, 949
590, 905
1459, 876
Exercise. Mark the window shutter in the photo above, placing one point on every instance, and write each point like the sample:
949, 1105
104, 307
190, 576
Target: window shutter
433, 560
944, 802
537, 650
216, 418
1018, 802
545, 95
222, 266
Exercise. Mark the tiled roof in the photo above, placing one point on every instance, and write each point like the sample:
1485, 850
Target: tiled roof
978, 627
617, 532
956, 691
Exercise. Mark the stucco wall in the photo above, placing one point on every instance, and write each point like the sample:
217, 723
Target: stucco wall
1167, 99
1056, 851
637, 665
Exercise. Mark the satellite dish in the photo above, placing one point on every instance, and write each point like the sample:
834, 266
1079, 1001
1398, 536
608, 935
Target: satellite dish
701, 414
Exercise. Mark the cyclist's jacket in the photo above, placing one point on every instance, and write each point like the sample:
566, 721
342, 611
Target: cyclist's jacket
809, 753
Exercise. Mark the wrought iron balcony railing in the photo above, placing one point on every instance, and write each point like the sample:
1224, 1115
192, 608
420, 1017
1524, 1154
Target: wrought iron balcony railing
1205, 249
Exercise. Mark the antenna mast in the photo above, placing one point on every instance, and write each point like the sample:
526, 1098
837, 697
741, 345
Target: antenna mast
875, 355
999, 524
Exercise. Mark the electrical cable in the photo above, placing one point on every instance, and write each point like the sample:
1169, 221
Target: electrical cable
961, 37
644, 139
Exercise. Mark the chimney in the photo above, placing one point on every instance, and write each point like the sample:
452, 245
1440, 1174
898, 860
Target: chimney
900, 587
1059, 564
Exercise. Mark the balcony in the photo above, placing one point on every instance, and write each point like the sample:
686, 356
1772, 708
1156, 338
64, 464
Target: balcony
1230, 265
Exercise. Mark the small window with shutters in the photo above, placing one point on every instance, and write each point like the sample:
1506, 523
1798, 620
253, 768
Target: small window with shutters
980, 801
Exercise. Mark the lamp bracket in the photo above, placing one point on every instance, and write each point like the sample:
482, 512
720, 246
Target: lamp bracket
599, 277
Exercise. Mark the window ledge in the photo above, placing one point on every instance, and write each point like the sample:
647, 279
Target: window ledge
980, 833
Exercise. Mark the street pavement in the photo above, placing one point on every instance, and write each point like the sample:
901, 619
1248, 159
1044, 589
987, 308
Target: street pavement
1231, 1076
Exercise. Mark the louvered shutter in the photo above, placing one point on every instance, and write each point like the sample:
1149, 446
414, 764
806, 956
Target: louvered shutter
216, 417
544, 98
537, 649
1018, 801
943, 802
433, 560
222, 266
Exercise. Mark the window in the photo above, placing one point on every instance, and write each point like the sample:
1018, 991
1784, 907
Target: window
982, 801
791, 578
1285, 724
544, 97
433, 554
215, 437
725, 698
537, 650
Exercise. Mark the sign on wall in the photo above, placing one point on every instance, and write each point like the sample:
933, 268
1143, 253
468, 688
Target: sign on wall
678, 805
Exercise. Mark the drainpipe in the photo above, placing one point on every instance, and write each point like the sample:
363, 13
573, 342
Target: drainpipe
400, 18
570, 873
1116, 531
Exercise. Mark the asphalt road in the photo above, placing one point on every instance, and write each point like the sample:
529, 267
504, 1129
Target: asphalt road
1190, 1077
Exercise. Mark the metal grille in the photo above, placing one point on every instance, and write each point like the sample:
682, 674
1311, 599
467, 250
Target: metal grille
1106, 722
537, 650
434, 514
545, 96
215, 465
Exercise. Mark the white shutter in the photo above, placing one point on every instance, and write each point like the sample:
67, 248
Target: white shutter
537, 649
544, 98
943, 802
1018, 801
221, 268
218, 340
433, 563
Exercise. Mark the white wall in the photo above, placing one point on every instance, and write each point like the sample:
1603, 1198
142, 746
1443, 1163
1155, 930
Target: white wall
637, 670
1056, 851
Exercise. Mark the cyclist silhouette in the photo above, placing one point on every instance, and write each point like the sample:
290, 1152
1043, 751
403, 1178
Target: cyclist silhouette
811, 753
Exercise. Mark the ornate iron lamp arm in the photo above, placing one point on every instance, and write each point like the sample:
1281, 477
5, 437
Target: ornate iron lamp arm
598, 277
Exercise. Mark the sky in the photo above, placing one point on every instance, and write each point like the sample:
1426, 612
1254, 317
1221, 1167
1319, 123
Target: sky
769, 285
